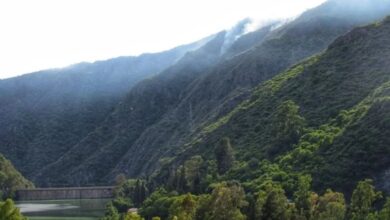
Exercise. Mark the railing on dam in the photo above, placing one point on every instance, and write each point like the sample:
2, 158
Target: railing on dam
97, 192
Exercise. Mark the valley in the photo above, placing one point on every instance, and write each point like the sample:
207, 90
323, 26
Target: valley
290, 121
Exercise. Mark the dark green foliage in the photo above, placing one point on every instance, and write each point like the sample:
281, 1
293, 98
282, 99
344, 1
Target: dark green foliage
131, 192
157, 204
224, 155
122, 204
8, 211
111, 212
288, 126
11, 179
272, 203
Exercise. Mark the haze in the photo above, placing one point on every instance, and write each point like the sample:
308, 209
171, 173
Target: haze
45, 34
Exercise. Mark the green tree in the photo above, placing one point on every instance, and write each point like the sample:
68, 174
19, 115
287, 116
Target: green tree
384, 214
132, 191
111, 213
181, 180
194, 173
122, 204
226, 201
288, 126
184, 207
303, 197
330, 206
157, 204
203, 207
362, 200
224, 155
132, 216
8, 211
11, 179
272, 203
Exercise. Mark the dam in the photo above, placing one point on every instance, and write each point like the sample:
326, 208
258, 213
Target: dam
97, 192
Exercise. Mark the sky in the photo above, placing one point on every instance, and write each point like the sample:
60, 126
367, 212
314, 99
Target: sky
42, 34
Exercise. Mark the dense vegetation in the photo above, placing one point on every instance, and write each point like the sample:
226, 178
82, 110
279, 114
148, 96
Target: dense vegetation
229, 200
310, 124
8, 211
10, 179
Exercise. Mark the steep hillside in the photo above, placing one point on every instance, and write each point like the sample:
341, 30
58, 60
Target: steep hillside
327, 116
143, 106
161, 115
43, 114
10, 179
227, 84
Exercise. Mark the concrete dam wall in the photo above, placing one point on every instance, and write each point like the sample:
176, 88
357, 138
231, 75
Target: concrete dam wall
65, 193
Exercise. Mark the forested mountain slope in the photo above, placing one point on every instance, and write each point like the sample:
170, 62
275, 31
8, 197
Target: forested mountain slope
145, 105
159, 116
227, 84
43, 114
61, 127
328, 116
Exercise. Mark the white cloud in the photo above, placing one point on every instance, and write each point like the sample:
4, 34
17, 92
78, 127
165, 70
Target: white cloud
42, 34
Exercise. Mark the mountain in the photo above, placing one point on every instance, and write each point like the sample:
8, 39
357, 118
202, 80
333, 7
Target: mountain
321, 125
228, 83
43, 114
327, 116
161, 115
143, 106
211, 92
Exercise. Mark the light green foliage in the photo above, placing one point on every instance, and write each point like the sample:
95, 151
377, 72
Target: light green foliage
226, 201
132, 216
156, 218
384, 214
8, 211
184, 207
330, 206
203, 207
10, 179
303, 197
362, 200
263, 91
